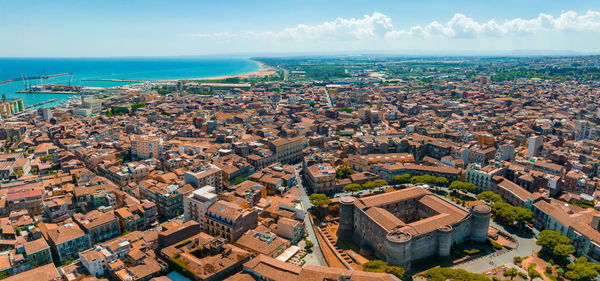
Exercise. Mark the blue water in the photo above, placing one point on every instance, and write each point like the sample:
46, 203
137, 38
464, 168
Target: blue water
115, 68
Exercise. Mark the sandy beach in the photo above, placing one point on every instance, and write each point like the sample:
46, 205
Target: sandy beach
264, 70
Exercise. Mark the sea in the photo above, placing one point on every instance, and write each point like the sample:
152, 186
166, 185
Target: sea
110, 68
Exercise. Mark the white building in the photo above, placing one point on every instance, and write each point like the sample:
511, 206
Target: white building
46, 113
535, 143
583, 129
82, 112
197, 202
93, 104
94, 260
505, 152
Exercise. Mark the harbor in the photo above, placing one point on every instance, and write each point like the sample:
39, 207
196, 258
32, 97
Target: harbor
52, 89
40, 103
115, 80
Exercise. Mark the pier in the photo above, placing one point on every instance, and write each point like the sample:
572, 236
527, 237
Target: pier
34, 78
40, 103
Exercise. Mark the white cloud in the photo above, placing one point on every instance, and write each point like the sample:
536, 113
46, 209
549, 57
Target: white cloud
461, 26
379, 25
369, 26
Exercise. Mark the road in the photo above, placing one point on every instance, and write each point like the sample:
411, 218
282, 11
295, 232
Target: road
286, 74
328, 97
526, 247
316, 257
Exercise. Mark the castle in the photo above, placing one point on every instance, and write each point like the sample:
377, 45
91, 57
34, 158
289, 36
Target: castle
408, 225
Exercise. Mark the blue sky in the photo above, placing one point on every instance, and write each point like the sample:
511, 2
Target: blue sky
172, 28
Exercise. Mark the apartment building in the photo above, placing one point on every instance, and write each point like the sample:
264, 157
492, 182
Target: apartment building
321, 178
196, 204
288, 150
209, 174
25, 199
229, 220
98, 226
146, 146
66, 240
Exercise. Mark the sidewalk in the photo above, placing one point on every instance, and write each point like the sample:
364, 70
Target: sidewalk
526, 247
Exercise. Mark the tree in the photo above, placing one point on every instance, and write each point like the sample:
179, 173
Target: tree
135, 106
443, 274
369, 185
563, 250
353, 187
309, 244
343, 172
47, 158
238, 180
380, 183
511, 214
109, 113
396, 271
550, 239
345, 109
522, 215
375, 266
429, 179
532, 272
318, 199
462, 186
582, 269
442, 181
489, 196
119, 110
334, 210
399, 179
511, 272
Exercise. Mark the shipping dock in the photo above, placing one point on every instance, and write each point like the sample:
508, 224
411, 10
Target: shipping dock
25, 78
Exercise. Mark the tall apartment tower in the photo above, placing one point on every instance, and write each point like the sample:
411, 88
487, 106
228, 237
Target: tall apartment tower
535, 143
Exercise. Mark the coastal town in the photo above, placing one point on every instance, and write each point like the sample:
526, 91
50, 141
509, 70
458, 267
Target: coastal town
312, 168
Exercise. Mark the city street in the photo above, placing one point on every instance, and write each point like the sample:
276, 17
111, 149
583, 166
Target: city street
316, 257
328, 97
526, 247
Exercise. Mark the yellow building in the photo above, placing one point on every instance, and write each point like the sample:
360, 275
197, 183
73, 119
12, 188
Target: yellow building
146, 146
8, 108
485, 139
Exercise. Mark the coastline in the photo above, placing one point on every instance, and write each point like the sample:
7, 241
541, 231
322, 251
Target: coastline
262, 71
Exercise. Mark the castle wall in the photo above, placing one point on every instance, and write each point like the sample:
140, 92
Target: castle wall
369, 235
481, 222
402, 249
346, 226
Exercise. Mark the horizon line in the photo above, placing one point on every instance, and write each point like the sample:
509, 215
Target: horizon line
382, 53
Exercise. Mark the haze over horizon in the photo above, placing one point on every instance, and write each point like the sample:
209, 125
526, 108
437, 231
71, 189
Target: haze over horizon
188, 28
